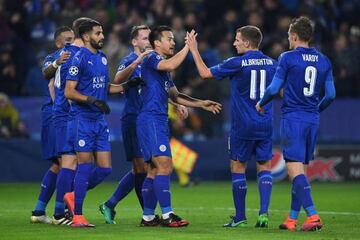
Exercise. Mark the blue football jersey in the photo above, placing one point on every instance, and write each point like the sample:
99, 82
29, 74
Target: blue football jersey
250, 74
47, 61
92, 74
132, 104
61, 104
304, 71
154, 95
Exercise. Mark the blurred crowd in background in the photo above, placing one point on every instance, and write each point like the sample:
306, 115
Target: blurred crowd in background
27, 29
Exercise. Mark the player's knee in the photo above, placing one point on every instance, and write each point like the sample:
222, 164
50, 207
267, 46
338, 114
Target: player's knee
263, 166
138, 166
237, 166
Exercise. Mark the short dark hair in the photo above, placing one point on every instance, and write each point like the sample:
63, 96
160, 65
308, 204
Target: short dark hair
303, 27
76, 24
252, 34
87, 26
60, 30
156, 33
135, 30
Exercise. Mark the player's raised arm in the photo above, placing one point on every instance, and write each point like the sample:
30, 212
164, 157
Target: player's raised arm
123, 75
203, 70
188, 101
173, 62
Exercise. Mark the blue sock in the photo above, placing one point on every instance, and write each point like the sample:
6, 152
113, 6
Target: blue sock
295, 204
48, 185
149, 196
303, 193
63, 185
97, 176
139, 181
81, 183
265, 187
125, 186
162, 191
239, 189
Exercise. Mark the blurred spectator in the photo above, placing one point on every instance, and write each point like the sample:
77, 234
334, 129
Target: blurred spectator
10, 124
35, 82
8, 83
28, 25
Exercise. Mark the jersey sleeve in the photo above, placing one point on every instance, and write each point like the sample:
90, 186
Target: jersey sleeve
153, 61
74, 71
47, 61
124, 63
225, 69
282, 67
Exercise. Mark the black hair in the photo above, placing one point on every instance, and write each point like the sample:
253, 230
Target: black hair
156, 33
87, 26
77, 22
303, 27
60, 30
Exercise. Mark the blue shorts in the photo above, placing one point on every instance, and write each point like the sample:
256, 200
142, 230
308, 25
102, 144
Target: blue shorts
130, 140
48, 145
153, 136
62, 136
298, 140
92, 135
243, 150
69, 144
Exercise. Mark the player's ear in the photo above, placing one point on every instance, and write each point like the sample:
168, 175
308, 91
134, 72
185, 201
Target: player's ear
57, 44
133, 42
86, 37
157, 42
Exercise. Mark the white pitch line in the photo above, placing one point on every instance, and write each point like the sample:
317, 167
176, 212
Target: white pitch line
124, 209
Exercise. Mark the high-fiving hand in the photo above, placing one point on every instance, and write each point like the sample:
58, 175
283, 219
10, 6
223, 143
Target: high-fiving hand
190, 40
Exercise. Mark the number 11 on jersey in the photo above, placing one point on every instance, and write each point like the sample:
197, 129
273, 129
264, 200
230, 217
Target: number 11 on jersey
253, 83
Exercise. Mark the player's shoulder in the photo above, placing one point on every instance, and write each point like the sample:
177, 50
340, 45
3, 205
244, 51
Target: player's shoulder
288, 54
151, 57
129, 58
234, 61
72, 48
323, 56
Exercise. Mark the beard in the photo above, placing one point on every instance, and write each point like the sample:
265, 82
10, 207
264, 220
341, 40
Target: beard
96, 45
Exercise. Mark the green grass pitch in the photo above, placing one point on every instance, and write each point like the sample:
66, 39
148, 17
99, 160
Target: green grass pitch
207, 206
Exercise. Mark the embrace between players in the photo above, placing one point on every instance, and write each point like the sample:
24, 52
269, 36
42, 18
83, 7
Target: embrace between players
82, 85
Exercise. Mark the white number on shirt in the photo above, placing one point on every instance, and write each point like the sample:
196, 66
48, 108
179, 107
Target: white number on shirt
253, 83
57, 81
310, 78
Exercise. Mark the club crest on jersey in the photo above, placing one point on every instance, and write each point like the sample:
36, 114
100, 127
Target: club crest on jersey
162, 148
104, 60
81, 143
47, 64
73, 70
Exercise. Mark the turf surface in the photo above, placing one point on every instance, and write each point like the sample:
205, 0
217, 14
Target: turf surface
207, 206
